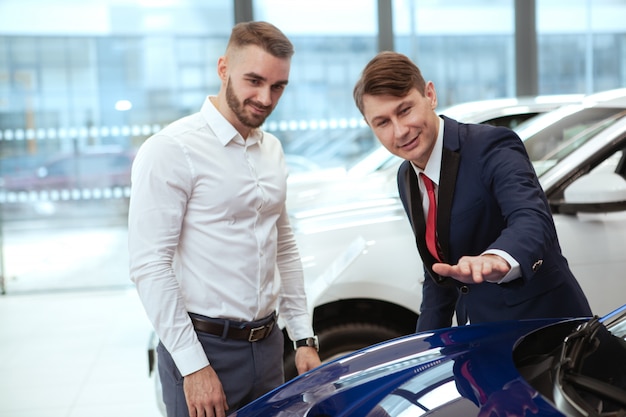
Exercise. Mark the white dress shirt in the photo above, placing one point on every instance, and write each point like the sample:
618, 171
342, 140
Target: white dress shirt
432, 171
207, 229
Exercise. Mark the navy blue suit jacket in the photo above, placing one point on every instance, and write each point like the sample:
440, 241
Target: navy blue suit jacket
490, 198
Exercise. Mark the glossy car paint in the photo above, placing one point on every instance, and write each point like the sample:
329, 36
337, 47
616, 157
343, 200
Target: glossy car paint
429, 366
462, 371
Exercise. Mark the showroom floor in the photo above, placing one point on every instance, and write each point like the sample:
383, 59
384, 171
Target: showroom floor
71, 354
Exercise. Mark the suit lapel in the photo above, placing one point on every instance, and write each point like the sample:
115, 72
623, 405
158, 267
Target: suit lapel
415, 207
414, 200
447, 182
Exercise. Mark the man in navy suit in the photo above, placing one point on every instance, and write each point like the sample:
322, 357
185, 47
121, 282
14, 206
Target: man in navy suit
495, 254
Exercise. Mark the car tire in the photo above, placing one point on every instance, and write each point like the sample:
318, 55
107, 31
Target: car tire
341, 339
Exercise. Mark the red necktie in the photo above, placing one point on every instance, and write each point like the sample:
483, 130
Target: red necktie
431, 221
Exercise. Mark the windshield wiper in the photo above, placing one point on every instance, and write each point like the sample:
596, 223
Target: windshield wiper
574, 381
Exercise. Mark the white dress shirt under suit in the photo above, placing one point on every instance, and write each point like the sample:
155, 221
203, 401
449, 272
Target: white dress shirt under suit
432, 171
207, 229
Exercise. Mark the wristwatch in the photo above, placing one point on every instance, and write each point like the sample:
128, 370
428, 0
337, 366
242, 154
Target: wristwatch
309, 341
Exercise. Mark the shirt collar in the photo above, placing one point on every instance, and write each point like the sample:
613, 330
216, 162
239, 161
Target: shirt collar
224, 131
433, 166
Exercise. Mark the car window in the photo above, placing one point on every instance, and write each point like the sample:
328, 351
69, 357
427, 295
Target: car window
571, 140
611, 163
551, 137
512, 120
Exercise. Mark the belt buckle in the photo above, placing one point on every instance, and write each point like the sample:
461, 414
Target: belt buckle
253, 334
262, 331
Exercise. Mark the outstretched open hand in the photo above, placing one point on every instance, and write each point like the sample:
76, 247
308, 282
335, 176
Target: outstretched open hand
475, 269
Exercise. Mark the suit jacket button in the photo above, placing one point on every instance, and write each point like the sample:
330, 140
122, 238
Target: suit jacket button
464, 289
537, 265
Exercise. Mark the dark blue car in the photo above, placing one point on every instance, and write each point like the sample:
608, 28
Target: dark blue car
566, 367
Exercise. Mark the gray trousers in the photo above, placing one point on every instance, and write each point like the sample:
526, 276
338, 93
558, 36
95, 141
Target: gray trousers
246, 370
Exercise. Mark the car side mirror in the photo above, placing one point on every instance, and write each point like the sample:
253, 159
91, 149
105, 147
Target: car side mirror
602, 192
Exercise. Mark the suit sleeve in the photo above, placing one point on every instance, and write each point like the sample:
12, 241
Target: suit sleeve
508, 173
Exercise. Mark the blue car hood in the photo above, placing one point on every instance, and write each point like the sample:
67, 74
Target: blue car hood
469, 365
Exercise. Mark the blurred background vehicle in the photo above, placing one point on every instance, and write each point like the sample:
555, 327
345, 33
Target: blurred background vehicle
92, 183
98, 169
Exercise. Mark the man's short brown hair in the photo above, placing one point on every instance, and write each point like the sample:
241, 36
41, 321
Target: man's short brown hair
388, 73
262, 34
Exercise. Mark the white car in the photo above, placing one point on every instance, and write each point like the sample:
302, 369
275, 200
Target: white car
363, 273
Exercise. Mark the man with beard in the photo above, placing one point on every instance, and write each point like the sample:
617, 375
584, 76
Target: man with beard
207, 227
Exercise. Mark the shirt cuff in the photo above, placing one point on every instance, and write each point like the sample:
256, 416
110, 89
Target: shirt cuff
190, 360
514, 272
297, 328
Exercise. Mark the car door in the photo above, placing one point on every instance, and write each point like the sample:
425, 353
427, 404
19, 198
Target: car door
589, 209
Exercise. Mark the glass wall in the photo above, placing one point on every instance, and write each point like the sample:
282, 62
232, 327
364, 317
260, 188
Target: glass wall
581, 45
83, 84
465, 47
79, 93
316, 118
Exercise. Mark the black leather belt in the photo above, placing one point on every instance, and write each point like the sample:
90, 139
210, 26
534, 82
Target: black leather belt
252, 332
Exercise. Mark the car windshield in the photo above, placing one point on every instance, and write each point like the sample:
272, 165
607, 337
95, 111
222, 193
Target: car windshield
551, 137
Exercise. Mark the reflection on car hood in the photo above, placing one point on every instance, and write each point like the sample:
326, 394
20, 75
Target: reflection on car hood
481, 369
427, 367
